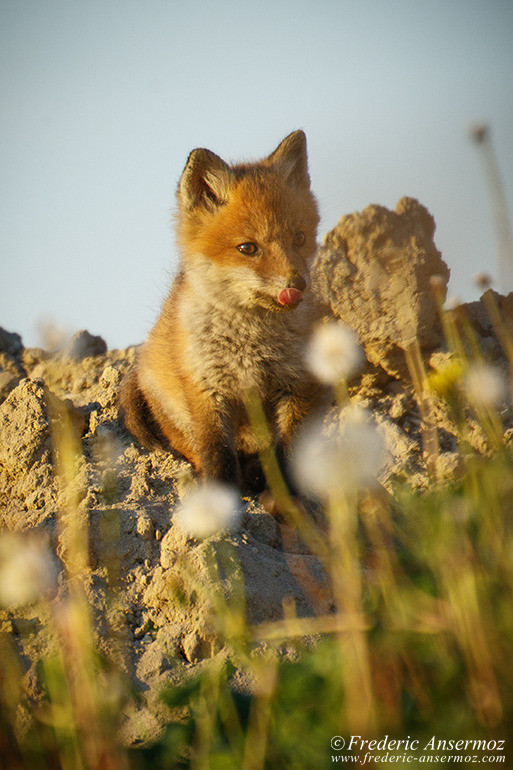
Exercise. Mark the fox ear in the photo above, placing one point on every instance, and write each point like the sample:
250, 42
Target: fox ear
205, 181
291, 158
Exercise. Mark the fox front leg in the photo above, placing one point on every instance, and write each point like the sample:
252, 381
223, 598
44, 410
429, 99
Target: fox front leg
219, 462
292, 409
215, 442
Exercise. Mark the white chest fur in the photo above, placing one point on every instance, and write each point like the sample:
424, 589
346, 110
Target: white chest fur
231, 349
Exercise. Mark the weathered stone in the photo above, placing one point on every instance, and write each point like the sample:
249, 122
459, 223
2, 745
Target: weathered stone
145, 528
373, 272
8, 381
10, 342
24, 427
85, 345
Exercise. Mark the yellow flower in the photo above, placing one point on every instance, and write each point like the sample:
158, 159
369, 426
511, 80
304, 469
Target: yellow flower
445, 381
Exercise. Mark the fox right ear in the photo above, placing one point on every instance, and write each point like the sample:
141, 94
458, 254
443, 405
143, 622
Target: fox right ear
205, 180
291, 158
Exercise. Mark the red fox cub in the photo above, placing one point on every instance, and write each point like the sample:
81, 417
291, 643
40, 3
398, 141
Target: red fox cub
237, 317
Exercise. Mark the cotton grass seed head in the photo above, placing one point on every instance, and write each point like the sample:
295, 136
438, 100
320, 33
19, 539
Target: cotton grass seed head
482, 280
27, 570
453, 303
479, 132
484, 386
334, 352
347, 461
438, 284
207, 509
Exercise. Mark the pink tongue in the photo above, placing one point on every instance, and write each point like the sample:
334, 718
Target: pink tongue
289, 296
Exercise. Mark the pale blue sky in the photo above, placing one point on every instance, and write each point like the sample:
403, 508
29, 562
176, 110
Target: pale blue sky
101, 102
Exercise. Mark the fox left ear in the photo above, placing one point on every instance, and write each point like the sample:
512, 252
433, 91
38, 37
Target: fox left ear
205, 180
291, 158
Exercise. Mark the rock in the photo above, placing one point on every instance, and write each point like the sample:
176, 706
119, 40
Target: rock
168, 550
24, 428
111, 377
152, 662
10, 342
31, 357
193, 647
399, 447
145, 528
11, 356
263, 527
109, 382
479, 317
194, 572
85, 345
8, 381
167, 638
373, 272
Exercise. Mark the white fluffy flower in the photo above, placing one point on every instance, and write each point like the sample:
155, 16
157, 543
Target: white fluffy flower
328, 465
207, 509
334, 352
27, 570
484, 386
452, 303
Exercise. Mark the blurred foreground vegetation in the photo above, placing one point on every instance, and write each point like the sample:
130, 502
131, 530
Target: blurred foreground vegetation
412, 633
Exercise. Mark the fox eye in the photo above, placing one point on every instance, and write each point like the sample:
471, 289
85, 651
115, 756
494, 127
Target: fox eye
249, 249
299, 238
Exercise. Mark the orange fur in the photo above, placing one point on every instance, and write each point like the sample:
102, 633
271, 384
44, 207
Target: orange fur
238, 314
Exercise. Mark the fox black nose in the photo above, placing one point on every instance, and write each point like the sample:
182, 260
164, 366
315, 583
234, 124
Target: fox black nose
296, 281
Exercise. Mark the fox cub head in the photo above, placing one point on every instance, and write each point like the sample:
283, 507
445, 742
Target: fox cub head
248, 231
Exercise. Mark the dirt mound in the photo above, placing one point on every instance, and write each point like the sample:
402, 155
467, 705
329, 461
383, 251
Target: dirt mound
373, 272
